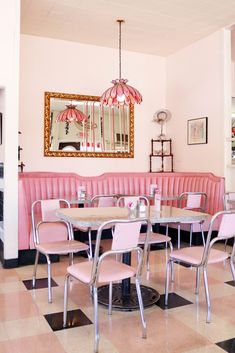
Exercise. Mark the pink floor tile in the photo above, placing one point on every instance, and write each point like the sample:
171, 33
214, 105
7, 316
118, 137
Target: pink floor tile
46, 343
17, 305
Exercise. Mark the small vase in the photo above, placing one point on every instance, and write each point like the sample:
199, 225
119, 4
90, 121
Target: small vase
132, 212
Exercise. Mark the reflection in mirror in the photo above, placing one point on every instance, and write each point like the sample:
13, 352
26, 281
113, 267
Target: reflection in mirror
79, 126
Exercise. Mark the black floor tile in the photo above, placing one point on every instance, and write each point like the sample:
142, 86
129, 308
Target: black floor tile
75, 318
231, 283
228, 345
40, 283
174, 301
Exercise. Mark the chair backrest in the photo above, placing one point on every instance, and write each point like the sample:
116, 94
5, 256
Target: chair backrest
104, 200
193, 201
226, 230
125, 235
229, 200
124, 201
125, 240
44, 211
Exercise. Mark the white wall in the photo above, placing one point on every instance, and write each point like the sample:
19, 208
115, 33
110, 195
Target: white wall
68, 67
195, 88
9, 81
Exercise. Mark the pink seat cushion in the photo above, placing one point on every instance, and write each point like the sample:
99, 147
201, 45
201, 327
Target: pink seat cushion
154, 238
193, 255
61, 247
110, 271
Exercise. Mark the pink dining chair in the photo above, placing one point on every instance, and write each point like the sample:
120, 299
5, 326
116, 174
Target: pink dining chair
229, 204
200, 256
52, 236
195, 201
106, 268
229, 200
99, 201
154, 238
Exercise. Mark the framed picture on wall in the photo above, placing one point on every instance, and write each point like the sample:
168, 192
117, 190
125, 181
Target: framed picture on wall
197, 131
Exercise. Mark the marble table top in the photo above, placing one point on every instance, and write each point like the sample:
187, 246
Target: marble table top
94, 216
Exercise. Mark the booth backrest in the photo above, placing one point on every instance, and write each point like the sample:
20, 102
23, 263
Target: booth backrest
45, 185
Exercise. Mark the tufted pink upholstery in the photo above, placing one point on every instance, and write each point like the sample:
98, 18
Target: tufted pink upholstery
44, 185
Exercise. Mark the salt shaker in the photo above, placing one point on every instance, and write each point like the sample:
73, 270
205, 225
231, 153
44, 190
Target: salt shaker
157, 199
142, 206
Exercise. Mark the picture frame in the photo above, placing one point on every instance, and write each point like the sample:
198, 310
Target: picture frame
197, 131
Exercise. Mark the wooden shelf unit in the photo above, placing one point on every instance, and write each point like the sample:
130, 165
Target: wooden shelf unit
158, 150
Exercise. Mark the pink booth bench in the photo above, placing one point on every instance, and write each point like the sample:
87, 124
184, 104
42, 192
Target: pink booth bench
45, 185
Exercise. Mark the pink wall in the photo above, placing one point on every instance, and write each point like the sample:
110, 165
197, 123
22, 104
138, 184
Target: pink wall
195, 88
60, 66
9, 86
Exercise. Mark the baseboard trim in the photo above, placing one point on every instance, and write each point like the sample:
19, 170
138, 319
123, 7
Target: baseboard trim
10, 263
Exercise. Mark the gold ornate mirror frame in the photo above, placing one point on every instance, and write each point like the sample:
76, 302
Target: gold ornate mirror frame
106, 132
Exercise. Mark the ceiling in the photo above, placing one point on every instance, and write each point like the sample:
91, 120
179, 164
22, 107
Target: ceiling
159, 27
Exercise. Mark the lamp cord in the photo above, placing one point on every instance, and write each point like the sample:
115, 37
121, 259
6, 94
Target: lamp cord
120, 47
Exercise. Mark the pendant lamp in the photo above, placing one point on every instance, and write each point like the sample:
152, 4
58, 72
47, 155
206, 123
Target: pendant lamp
120, 93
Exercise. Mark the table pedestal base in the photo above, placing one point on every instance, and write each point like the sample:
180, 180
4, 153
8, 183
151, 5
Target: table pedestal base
127, 302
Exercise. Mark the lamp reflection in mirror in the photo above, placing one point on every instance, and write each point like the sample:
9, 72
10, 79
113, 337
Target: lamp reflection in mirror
120, 93
71, 114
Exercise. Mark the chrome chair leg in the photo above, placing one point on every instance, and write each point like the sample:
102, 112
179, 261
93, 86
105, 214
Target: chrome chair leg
90, 244
171, 246
148, 255
49, 278
197, 280
35, 269
70, 259
225, 245
172, 272
178, 236
203, 236
65, 300
144, 325
232, 267
208, 318
168, 265
172, 263
96, 319
110, 298
191, 235
167, 229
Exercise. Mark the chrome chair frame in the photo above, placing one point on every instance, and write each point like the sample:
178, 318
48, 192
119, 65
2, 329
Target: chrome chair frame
183, 197
204, 262
229, 196
36, 238
94, 281
94, 200
120, 201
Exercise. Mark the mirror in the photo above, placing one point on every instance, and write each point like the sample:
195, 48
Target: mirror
79, 126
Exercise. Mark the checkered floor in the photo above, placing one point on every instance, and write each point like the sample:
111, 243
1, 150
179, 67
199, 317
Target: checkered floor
28, 323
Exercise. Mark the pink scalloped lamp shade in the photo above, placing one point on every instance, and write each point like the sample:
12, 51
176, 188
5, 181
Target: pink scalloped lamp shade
71, 114
121, 94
